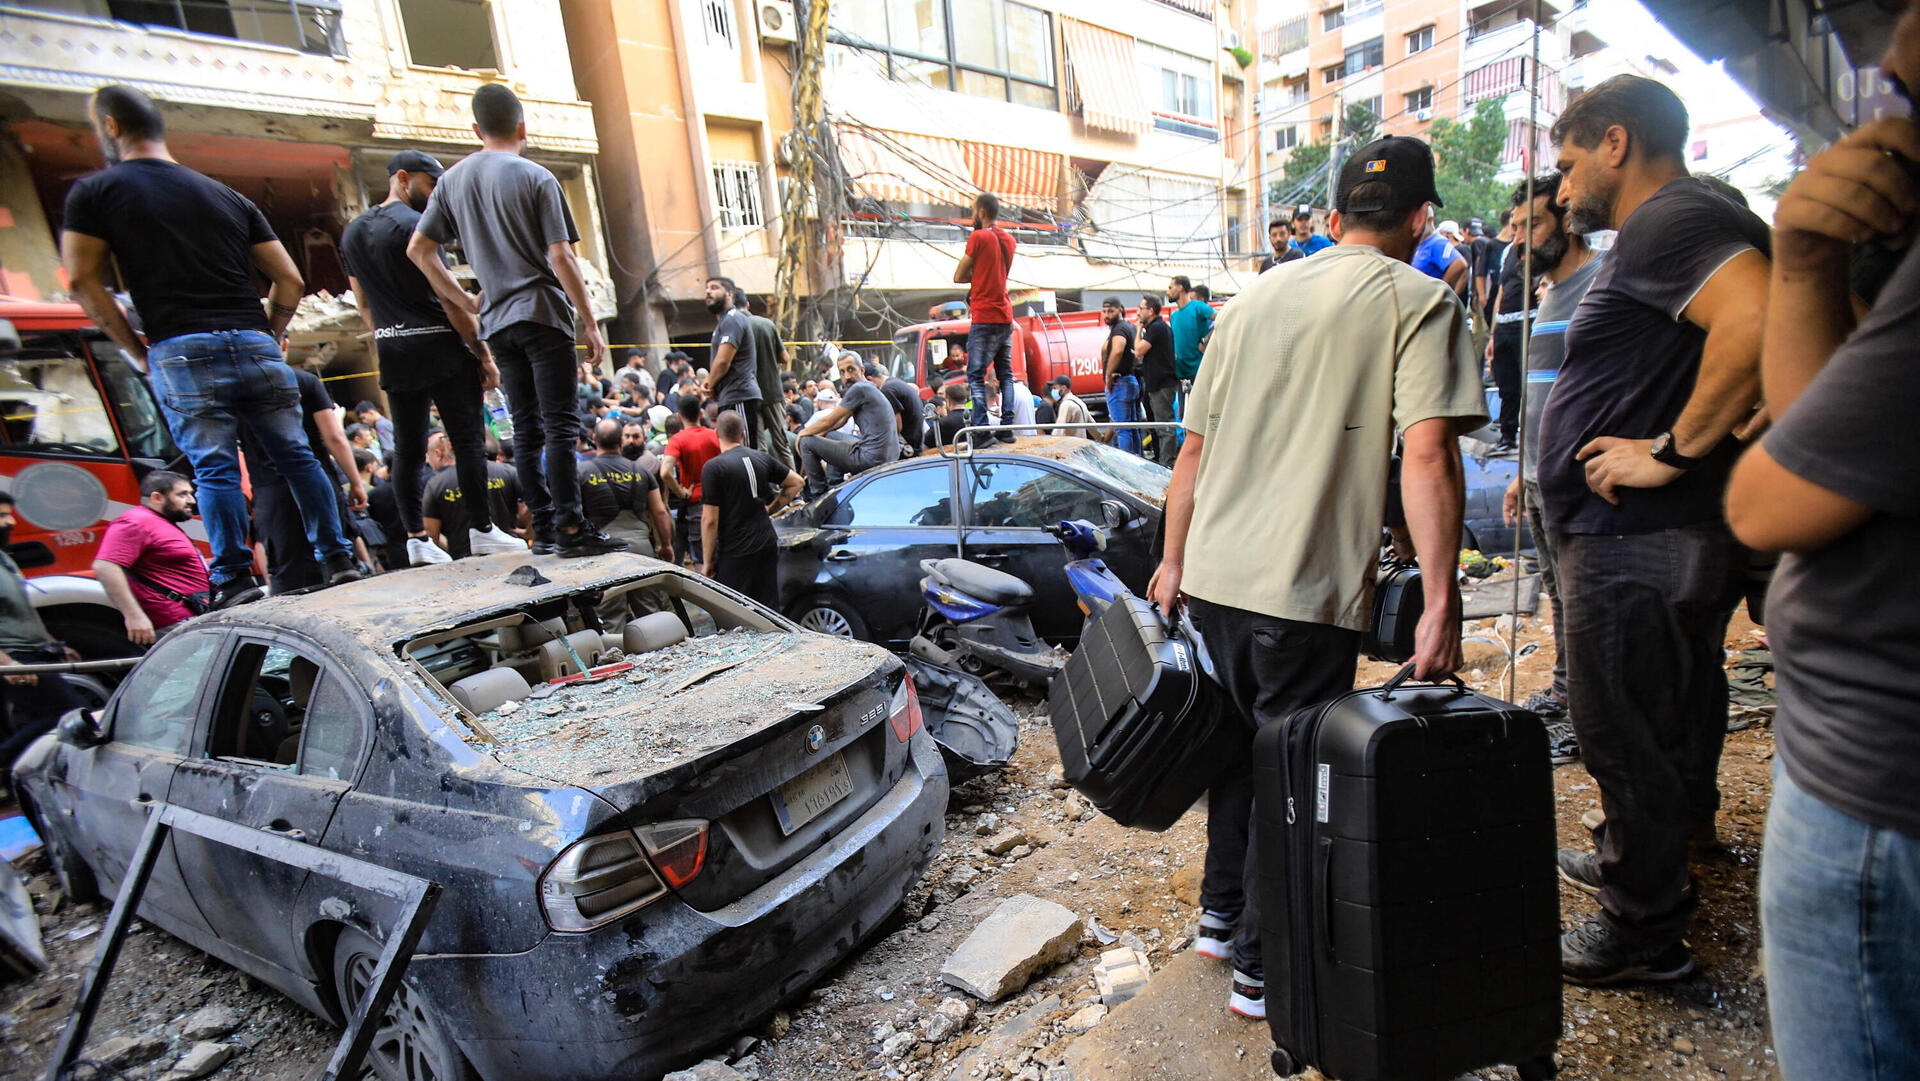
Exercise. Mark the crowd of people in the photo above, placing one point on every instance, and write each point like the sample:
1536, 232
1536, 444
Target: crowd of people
1705, 386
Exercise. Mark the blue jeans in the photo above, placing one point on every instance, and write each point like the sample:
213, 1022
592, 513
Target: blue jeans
990, 345
210, 384
1839, 904
1645, 630
1123, 404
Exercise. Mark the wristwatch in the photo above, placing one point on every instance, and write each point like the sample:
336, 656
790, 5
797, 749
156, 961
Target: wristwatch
1666, 453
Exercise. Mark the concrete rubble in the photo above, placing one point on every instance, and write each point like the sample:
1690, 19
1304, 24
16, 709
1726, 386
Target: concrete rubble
121, 1052
211, 1023
1122, 973
200, 1060
711, 1070
1024, 935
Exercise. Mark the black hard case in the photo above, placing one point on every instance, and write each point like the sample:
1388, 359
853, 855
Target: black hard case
1398, 604
1142, 732
1410, 914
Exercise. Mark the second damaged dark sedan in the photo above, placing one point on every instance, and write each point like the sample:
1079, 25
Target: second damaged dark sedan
636, 861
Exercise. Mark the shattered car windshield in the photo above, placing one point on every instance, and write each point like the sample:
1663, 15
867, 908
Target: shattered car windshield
1128, 472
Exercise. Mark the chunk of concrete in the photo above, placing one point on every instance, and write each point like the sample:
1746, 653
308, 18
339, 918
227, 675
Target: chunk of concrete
711, 1070
1023, 935
211, 1023
947, 1019
1121, 974
200, 1060
1004, 842
1086, 1017
121, 1052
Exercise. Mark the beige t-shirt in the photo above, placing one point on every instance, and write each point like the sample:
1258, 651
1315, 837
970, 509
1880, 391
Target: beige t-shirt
1309, 373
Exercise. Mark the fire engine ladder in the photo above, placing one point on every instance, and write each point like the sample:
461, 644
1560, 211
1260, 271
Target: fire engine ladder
1054, 330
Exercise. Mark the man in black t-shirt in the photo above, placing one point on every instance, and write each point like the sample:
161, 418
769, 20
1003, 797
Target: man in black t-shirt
618, 496
951, 408
1158, 382
1511, 305
1662, 364
1117, 361
430, 355
187, 247
739, 491
909, 412
277, 524
445, 509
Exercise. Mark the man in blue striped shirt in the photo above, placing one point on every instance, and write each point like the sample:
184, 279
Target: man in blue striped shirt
1561, 255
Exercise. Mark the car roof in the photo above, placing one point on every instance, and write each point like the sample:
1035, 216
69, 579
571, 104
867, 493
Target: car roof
388, 609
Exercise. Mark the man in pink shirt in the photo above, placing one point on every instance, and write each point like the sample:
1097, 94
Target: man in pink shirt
146, 563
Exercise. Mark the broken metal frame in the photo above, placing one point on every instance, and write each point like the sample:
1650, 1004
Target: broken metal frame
416, 895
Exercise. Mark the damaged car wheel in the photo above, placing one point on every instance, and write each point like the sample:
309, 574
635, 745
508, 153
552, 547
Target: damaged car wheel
411, 1042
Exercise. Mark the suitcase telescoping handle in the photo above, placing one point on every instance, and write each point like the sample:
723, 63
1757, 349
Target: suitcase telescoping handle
1406, 674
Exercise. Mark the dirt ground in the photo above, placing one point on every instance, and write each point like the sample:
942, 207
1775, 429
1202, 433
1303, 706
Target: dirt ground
1139, 888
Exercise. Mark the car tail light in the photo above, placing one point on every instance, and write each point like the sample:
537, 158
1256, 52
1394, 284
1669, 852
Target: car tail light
678, 849
597, 880
904, 713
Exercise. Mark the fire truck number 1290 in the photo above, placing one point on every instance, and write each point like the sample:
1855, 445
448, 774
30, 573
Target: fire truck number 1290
1085, 365
78, 537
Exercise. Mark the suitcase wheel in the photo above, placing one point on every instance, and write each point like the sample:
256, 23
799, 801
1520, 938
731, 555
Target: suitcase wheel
1539, 1069
1283, 1064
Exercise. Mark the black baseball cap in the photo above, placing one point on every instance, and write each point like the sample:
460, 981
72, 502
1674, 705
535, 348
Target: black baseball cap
1401, 163
414, 161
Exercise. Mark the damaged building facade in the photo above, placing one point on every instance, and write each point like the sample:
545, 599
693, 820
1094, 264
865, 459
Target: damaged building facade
297, 104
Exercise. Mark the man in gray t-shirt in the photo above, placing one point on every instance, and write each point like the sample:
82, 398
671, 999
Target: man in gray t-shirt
513, 225
868, 408
732, 376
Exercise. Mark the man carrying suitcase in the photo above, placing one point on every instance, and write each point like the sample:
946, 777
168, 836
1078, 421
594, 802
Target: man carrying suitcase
1284, 631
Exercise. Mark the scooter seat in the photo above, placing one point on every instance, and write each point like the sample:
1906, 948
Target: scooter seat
982, 582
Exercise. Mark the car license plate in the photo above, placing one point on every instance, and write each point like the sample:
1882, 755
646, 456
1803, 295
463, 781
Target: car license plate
801, 800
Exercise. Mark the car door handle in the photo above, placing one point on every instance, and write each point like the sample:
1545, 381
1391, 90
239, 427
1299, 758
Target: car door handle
842, 555
286, 829
990, 557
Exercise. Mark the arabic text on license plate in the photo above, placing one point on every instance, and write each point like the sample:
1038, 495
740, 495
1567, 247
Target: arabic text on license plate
801, 800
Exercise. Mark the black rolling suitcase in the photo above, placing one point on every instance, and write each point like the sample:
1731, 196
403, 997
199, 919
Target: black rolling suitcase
1142, 730
1410, 914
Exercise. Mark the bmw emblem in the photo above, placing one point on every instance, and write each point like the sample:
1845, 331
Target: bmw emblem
816, 739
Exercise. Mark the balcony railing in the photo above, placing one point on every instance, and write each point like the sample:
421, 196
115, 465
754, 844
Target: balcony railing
311, 26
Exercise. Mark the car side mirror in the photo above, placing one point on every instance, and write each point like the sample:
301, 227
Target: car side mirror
81, 728
1115, 514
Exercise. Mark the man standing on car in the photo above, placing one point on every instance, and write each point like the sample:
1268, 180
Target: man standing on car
513, 224
430, 356
622, 498
871, 412
1154, 346
1662, 363
770, 357
734, 377
990, 338
187, 247
146, 563
1117, 360
739, 491
1374, 347
36, 701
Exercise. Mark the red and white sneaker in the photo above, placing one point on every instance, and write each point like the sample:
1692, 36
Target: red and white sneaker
1249, 998
1215, 937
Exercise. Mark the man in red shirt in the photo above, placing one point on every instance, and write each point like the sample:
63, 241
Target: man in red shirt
990, 340
687, 452
146, 563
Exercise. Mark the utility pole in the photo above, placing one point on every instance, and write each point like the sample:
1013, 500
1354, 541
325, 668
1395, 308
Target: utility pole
796, 228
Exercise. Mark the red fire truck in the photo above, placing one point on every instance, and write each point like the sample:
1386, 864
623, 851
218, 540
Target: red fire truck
79, 427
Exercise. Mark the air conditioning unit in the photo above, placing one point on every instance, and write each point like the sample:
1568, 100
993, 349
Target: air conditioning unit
776, 21
1229, 38
1423, 115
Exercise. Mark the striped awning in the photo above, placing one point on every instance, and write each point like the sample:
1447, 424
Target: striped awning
1028, 178
1103, 79
899, 167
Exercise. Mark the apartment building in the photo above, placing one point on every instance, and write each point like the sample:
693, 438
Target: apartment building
297, 104
1407, 63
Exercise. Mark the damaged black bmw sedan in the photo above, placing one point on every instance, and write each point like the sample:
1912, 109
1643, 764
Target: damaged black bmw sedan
655, 810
